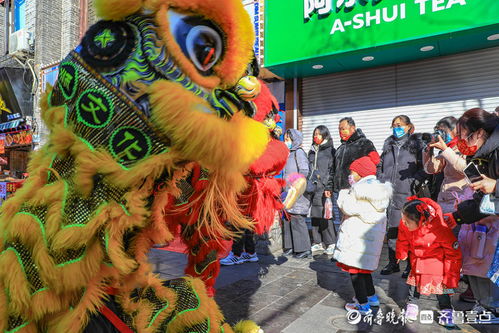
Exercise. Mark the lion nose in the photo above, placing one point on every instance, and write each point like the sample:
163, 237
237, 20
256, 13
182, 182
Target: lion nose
248, 88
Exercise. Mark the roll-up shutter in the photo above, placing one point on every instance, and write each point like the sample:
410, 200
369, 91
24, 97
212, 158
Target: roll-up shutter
426, 91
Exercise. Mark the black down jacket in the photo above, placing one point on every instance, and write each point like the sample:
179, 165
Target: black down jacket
321, 159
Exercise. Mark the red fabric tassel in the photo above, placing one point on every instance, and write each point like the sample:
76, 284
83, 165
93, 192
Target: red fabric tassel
115, 320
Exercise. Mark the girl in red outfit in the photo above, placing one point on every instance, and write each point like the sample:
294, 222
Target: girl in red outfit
434, 254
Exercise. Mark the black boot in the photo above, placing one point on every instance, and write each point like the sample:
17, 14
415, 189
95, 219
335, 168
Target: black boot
407, 270
392, 266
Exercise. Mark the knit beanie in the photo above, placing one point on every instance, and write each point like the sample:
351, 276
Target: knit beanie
364, 166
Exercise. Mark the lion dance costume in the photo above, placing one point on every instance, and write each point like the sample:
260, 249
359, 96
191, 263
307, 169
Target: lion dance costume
259, 202
145, 101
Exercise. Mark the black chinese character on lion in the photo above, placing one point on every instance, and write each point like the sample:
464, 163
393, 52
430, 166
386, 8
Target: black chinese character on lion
130, 144
94, 109
68, 80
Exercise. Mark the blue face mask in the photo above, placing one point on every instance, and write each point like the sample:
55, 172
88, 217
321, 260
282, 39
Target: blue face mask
447, 138
398, 132
289, 144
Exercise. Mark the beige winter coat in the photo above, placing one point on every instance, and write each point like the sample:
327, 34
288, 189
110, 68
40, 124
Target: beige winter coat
452, 163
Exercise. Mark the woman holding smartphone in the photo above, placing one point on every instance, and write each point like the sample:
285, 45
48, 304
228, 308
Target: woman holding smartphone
478, 140
478, 134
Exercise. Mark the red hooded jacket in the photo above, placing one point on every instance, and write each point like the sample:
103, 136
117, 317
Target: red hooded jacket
434, 253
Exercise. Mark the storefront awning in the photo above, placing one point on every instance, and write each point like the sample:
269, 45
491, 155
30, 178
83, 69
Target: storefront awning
323, 37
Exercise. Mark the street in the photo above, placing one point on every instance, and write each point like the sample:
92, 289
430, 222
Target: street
295, 296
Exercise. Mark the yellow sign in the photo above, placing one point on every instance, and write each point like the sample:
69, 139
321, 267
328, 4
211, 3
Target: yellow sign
3, 106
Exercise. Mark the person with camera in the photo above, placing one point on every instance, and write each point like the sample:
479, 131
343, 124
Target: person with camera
402, 166
321, 160
449, 161
478, 140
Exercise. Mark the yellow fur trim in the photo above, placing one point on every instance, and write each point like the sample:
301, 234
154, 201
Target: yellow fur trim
16, 282
88, 163
232, 19
215, 143
247, 326
36, 180
75, 236
77, 319
116, 9
3, 307
226, 148
51, 116
207, 309
46, 301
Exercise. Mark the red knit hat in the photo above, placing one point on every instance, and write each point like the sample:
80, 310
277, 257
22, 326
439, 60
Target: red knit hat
364, 166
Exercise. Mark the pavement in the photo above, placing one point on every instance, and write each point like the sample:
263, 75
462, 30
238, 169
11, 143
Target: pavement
290, 295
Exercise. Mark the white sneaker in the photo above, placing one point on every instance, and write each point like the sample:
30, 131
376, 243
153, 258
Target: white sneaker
249, 257
231, 259
330, 249
317, 247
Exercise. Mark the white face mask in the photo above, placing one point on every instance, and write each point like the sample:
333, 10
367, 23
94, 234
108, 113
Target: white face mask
289, 144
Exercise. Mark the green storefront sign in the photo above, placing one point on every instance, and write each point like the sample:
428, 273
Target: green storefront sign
298, 31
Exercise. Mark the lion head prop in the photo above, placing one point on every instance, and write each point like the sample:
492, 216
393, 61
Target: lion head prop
150, 89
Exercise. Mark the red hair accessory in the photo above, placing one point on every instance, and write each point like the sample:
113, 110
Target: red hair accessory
427, 211
421, 208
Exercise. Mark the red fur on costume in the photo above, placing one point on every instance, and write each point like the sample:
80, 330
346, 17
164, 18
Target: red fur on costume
259, 202
264, 192
265, 102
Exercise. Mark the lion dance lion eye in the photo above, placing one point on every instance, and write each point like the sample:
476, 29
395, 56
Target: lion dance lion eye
199, 40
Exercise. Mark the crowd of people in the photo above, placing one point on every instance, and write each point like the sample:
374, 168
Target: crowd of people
417, 195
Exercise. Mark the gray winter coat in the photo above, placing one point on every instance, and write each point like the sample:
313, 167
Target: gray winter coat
297, 162
402, 165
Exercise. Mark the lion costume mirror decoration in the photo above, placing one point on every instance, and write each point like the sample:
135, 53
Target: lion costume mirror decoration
146, 99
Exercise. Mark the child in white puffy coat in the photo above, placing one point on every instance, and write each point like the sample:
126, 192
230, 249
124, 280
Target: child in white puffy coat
362, 231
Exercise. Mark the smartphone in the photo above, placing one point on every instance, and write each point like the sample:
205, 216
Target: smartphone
471, 172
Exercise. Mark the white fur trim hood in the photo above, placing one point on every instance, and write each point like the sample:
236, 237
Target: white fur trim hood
367, 199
